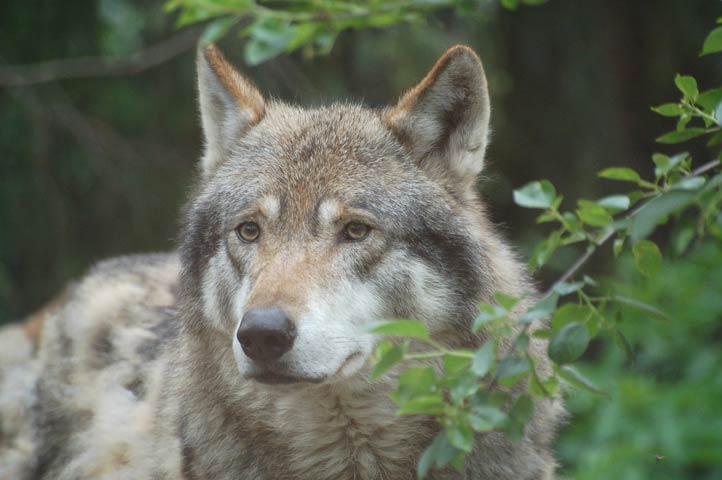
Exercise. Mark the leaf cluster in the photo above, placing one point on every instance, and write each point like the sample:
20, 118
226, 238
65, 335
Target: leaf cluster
494, 387
272, 28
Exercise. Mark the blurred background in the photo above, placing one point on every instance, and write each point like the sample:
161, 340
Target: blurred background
94, 164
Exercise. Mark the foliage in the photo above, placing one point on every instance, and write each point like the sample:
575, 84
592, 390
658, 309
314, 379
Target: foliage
309, 25
662, 413
492, 388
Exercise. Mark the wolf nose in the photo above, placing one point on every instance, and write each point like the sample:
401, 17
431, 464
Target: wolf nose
266, 333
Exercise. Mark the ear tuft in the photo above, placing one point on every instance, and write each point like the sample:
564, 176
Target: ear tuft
444, 120
230, 105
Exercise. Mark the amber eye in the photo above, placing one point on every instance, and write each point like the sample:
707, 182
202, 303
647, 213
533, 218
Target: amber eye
248, 231
356, 231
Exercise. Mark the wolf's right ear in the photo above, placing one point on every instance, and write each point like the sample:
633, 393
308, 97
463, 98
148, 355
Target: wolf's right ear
444, 120
230, 105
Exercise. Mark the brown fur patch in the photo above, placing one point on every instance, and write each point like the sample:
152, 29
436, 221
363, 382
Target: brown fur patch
242, 89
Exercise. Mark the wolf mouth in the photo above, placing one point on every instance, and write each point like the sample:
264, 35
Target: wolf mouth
269, 377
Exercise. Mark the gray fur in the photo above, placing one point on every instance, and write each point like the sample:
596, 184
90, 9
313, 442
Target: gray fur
139, 373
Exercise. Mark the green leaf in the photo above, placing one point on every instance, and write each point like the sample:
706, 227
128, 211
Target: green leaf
665, 164
484, 359
618, 246
543, 308
573, 377
623, 343
215, 30
506, 301
709, 99
689, 183
645, 221
668, 110
466, 385
439, 453
683, 121
454, 364
568, 313
540, 194
569, 343
256, 52
424, 404
620, 173
714, 182
615, 203
713, 42
302, 35
522, 342
519, 415
687, 85
544, 251
543, 388
654, 311
593, 214
679, 136
388, 356
401, 328
485, 416
511, 368
480, 424
461, 436
425, 462
269, 37
489, 314
414, 382
565, 288
647, 257
683, 238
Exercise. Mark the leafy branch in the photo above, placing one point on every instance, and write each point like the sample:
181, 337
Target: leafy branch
493, 387
272, 27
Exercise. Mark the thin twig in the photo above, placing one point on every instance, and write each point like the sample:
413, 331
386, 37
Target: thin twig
85, 67
579, 263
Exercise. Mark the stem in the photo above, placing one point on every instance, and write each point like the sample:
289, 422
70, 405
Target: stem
424, 355
704, 115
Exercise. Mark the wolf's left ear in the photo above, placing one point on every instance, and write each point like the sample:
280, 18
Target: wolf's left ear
230, 105
444, 120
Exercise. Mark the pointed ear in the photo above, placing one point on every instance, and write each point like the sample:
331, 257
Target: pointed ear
230, 105
444, 120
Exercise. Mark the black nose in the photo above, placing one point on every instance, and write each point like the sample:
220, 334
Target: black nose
266, 333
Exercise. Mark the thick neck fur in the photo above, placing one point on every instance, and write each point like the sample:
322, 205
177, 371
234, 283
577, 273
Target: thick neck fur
337, 431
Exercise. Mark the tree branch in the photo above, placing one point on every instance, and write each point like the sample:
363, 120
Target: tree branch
85, 67
590, 251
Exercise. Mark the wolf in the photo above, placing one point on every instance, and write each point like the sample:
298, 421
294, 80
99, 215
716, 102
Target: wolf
245, 353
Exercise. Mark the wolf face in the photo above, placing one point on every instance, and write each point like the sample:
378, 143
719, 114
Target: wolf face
307, 224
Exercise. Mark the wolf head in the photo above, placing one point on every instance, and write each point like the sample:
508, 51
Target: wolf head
308, 224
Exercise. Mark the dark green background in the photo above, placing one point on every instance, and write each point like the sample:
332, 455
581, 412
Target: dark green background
96, 167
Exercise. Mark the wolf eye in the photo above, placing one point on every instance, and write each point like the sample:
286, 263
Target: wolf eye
356, 231
248, 231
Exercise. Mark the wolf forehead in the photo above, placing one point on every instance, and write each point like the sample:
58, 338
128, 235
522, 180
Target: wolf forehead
299, 160
336, 146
